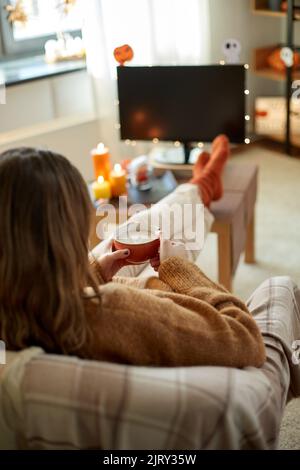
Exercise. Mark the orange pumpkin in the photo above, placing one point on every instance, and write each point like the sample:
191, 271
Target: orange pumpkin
275, 61
123, 54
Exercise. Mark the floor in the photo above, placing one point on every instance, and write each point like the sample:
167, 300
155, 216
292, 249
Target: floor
277, 244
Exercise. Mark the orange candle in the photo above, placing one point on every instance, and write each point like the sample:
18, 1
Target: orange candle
118, 180
101, 159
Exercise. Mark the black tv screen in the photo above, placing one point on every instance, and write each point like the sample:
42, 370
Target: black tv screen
184, 103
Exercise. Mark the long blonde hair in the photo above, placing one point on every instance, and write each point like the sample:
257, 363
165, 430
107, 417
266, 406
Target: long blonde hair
45, 219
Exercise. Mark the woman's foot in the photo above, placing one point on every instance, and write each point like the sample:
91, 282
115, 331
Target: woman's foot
208, 170
220, 141
200, 164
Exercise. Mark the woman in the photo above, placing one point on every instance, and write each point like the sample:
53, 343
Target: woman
180, 319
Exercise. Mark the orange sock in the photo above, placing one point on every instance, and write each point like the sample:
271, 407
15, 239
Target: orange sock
221, 140
208, 177
201, 163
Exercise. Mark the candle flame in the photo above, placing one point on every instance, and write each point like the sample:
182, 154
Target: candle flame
118, 168
101, 179
101, 147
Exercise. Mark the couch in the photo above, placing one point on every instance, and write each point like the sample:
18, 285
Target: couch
58, 402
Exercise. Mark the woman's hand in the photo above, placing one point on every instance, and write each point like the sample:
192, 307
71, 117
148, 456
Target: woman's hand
155, 263
111, 263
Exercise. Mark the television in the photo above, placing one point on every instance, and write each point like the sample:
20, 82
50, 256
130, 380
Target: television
182, 103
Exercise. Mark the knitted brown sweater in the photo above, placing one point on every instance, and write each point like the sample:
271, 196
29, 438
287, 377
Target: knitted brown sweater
187, 320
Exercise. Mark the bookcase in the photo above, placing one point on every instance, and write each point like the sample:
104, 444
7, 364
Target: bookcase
261, 67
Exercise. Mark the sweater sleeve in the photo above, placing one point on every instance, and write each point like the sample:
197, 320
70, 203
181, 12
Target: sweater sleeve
184, 277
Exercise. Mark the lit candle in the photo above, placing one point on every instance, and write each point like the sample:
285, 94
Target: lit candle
118, 180
101, 189
101, 159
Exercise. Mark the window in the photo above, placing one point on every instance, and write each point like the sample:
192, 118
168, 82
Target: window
44, 20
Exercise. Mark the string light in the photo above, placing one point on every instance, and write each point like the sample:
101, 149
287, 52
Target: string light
133, 143
247, 92
200, 145
246, 66
247, 117
177, 143
127, 142
155, 140
222, 62
117, 126
247, 141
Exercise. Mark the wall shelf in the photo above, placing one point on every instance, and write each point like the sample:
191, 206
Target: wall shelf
273, 14
262, 68
295, 139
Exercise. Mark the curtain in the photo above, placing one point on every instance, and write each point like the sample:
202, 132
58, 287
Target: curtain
161, 32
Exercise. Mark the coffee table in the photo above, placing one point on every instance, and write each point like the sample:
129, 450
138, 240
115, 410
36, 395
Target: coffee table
235, 219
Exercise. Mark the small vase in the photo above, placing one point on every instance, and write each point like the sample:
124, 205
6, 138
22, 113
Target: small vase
275, 5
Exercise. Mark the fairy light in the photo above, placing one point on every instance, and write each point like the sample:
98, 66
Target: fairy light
247, 141
177, 143
200, 145
127, 142
117, 126
133, 143
222, 62
155, 140
247, 92
247, 117
246, 66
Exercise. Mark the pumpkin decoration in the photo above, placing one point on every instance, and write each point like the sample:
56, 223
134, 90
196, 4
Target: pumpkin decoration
275, 61
123, 54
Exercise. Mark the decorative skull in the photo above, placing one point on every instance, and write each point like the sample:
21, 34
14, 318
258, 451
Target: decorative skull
287, 56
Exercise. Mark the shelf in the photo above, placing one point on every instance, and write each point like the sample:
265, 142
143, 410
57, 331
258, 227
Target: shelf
273, 14
273, 75
295, 140
18, 71
261, 66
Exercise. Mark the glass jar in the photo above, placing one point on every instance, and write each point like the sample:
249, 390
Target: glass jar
141, 173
